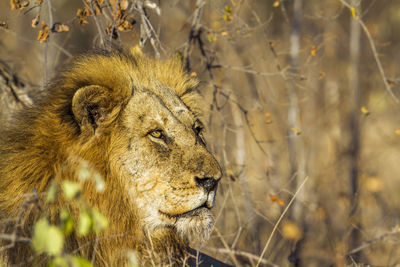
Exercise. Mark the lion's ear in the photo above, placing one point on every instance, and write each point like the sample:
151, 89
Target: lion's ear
91, 106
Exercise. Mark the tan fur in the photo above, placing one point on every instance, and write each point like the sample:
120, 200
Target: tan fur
102, 111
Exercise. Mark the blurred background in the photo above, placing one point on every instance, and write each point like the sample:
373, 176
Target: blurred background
303, 99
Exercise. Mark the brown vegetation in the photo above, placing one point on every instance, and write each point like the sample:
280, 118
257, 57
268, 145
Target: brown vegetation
303, 99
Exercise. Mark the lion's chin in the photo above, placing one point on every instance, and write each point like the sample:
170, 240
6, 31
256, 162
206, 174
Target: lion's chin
196, 225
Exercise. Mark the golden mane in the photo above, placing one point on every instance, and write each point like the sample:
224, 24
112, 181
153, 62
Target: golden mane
37, 144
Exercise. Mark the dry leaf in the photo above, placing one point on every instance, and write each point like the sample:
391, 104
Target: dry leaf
296, 130
35, 21
274, 198
397, 131
231, 174
59, 27
227, 17
124, 25
112, 31
268, 117
193, 74
124, 4
391, 83
43, 33
3, 25
18, 4
313, 51
373, 184
39, 2
291, 231
82, 14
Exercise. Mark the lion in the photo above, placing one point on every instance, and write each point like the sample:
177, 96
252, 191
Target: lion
136, 121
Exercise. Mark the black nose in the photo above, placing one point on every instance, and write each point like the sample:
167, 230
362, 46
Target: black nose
207, 183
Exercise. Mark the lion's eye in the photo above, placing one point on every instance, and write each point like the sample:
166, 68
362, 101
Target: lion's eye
156, 133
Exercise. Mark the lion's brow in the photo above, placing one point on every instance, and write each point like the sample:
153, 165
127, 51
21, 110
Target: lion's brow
177, 111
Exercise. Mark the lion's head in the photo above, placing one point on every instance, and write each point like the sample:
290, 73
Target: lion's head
136, 121
156, 146
162, 156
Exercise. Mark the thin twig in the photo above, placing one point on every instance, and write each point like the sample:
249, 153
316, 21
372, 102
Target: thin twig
97, 23
247, 70
369, 243
231, 254
244, 254
46, 45
114, 22
374, 52
279, 220
148, 29
194, 31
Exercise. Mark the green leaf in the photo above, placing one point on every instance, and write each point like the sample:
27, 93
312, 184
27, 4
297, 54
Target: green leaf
211, 37
228, 9
85, 223
71, 189
47, 238
80, 262
52, 192
59, 262
67, 223
100, 221
84, 174
98, 179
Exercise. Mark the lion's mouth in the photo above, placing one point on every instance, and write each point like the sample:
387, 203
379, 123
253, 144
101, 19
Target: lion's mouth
189, 213
207, 205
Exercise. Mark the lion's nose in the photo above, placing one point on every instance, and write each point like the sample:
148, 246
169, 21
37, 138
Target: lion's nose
207, 183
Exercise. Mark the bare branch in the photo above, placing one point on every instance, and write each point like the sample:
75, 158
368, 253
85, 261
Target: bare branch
194, 31
369, 243
374, 52
244, 254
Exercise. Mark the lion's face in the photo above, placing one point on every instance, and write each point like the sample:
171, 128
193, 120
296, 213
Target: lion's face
162, 159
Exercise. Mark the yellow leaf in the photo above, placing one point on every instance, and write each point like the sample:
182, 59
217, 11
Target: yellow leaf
296, 130
397, 131
373, 184
35, 21
224, 33
227, 17
211, 37
228, 9
276, 3
364, 111
43, 33
136, 50
291, 231
353, 13
313, 51
59, 27
268, 117
124, 4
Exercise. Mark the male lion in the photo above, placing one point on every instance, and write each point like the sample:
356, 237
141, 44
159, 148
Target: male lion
135, 121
